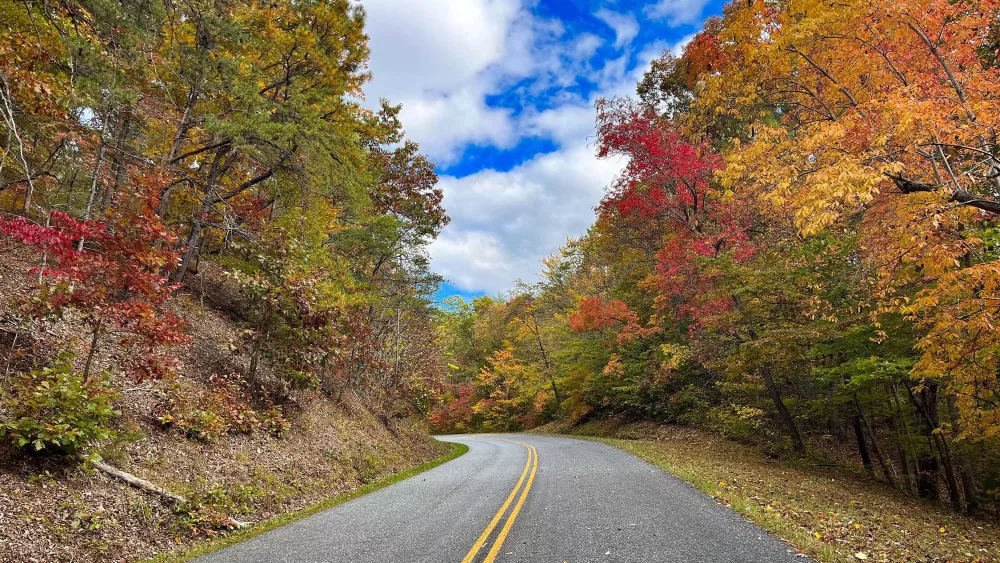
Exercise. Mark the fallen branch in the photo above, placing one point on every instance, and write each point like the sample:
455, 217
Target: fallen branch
137, 482
145, 485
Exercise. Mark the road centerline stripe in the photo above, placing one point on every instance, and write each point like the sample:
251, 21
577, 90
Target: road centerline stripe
495, 550
471, 555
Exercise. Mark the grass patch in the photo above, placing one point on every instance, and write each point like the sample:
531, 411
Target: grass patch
827, 513
289, 517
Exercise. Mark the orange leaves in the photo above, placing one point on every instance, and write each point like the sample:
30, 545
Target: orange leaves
594, 313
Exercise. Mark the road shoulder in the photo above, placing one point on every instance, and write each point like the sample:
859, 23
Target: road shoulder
828, 513
259, 528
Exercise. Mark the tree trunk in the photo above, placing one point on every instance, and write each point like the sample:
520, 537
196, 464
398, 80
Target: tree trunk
93, 187
145, 485
859, 433
927, 474
965, 472
925, 402
255, 359
92, 351
786, 417
194, 237
902, 437
883, 462
138, 483
548, 369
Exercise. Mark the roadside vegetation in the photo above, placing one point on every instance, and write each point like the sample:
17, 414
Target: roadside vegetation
800, 254
215, 301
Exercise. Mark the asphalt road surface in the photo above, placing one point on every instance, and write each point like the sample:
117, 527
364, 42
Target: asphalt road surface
523, 498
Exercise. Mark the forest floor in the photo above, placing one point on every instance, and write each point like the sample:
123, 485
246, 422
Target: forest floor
831, 514
54, 510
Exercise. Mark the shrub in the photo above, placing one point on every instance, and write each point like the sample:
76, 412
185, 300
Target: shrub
207, 414
56, 409
735, 421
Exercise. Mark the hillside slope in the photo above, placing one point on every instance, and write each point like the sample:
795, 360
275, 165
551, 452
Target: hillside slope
54, 510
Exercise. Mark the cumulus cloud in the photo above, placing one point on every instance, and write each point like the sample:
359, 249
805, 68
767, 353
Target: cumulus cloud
504, 223
676, 12
435, 45
444, 59
441, 59
444, 122
625, 26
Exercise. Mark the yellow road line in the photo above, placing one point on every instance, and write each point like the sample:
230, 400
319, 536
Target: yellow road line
469, 557
513, 514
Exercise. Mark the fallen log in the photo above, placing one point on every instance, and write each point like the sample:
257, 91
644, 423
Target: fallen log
137, 482
145, 485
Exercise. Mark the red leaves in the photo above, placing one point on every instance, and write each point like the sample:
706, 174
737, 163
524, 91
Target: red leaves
593, 313
666, 177
117, 281
58, 239
666, 192
705, 52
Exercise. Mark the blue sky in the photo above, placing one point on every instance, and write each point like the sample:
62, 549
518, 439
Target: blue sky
500, 93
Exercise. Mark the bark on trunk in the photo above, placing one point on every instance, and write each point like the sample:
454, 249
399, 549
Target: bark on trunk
925, 402
548, 369
964, 469
927, 475
94, 341
883, 462
138, 483
786, 417
859, 433
902, 438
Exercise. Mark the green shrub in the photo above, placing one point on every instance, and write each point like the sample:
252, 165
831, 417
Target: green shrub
57, 410
735, 421
207, 414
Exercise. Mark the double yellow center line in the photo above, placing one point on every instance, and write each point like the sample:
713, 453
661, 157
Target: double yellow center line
532, 465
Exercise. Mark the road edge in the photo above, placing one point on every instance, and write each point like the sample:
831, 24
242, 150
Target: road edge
286, 518
804, 544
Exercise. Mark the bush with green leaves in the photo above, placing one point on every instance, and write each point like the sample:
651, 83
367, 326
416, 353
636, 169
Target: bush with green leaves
57, 410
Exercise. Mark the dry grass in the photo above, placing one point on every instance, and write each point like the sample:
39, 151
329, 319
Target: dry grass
828, 513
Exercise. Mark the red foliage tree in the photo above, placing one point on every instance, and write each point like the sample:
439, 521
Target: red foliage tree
114, 276
666, 190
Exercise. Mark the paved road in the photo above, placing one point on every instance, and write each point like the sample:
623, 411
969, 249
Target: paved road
523, 498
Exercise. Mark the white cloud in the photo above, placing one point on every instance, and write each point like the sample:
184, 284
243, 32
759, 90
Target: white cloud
504, 223
625, 26
434, 45
677, 12
443, 123
442, 59
585, 46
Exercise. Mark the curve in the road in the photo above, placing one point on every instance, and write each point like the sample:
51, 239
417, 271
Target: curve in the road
558, 499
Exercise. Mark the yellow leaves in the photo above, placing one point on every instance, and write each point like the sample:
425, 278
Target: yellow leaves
674, 355
861, 555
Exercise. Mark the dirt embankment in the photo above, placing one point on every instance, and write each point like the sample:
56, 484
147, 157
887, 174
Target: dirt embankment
51, 510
